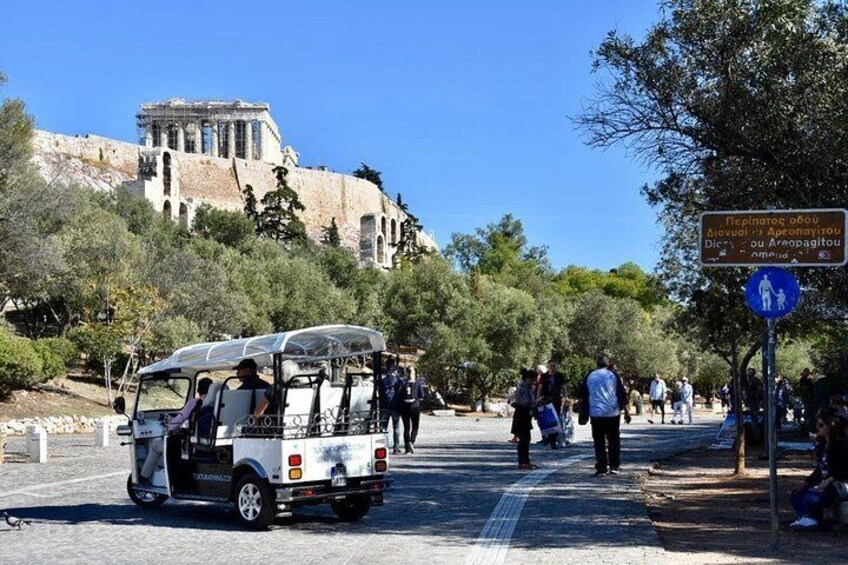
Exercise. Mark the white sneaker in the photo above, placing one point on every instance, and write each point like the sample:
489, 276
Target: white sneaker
805, 523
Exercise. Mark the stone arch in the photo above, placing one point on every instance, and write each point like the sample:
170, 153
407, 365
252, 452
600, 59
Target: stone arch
183, 215
166, 173
381, 249
394, 238
383, 226
166, 209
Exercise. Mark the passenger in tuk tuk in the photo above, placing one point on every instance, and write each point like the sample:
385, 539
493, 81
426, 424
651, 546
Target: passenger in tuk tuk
204, 425
268, 403
246, 371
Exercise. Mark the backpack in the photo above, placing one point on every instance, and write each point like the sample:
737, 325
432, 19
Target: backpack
389, 391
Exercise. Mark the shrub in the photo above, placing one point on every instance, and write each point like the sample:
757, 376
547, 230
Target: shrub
63, 348
20, 365
52, 365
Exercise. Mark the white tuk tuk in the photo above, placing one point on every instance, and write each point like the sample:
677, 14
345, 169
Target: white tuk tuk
319, 442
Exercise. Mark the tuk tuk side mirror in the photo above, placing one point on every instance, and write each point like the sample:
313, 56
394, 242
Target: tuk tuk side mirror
120, 406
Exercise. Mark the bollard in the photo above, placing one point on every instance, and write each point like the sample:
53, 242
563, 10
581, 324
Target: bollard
101, 433
37, 444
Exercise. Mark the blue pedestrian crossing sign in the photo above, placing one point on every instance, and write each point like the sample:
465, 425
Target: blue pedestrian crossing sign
772, 292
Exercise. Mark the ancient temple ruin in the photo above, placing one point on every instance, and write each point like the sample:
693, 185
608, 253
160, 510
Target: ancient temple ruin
237, 129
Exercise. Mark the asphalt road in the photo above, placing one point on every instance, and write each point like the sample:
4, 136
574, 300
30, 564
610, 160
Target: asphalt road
459, 499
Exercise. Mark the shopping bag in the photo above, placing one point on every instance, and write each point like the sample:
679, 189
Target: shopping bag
548, 420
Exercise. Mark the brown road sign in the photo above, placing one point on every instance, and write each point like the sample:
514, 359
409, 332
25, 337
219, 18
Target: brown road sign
800, 238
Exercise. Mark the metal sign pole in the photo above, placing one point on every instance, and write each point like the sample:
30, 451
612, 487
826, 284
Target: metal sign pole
771, 426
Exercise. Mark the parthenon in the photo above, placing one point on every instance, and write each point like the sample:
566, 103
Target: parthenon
219, 129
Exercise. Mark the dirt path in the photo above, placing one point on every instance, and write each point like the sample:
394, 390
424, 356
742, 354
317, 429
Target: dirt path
705, 514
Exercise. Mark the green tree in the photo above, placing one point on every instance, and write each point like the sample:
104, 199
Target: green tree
501, 250
409, 251
720, 95
229, 228
278, 219
331, 236
32, 212
625, 281
167, 334
371, 175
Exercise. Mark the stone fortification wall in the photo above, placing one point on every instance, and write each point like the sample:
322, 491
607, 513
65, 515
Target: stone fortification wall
105, 164
90, 160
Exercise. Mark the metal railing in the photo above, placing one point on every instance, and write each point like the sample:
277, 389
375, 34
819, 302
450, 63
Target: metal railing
332, 421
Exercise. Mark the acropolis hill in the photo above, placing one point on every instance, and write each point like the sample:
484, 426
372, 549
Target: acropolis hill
207, 152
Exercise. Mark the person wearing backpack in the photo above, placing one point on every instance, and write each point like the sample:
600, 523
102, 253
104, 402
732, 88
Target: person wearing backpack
390, 393
412, 393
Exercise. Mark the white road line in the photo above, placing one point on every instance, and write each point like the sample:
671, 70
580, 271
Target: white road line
28, 490
493, 543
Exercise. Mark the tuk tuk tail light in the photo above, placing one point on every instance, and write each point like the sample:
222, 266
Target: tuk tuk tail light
381, 453
295, 460
381, 466
295, 474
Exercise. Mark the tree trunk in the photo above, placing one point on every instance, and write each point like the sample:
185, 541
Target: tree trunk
107, 376
739, 467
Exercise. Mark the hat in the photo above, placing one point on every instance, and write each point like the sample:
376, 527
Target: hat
685, 379
245, 364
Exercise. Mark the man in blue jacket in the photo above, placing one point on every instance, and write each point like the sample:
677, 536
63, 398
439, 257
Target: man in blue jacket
604, 393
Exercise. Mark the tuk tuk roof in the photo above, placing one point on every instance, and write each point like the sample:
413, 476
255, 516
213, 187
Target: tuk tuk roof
308, 344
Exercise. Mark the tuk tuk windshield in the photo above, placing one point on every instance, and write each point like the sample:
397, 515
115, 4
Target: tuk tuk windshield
163, 394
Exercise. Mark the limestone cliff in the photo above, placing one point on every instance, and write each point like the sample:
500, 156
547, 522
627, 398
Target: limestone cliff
368, 220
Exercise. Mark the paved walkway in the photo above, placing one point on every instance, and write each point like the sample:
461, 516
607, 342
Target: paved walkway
460, 499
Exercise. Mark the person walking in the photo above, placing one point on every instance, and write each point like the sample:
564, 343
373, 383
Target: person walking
657, 394
522, 418
553, 383
390, 392
724, 396
677, 403
412, 393
687, 396
781, 402
604, 394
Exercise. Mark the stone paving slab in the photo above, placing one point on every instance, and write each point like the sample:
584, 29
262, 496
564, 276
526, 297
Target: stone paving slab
443, 497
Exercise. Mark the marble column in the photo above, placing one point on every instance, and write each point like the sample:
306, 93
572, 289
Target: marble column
180, 136
148, 136
261, 141
163, 135
248, 139
198, 137
215, 141
231, 139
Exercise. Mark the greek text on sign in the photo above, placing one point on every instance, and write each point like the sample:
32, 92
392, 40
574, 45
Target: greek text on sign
801, 238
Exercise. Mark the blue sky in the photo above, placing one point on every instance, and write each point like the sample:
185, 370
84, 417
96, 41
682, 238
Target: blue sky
463, 106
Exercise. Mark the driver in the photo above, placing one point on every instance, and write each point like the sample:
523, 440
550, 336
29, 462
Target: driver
246, 371
154, 452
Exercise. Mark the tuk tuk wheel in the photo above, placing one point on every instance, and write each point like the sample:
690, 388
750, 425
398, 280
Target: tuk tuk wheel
352, 508
142, 498
255, 502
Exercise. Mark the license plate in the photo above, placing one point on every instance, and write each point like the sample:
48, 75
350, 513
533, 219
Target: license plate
338, 477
